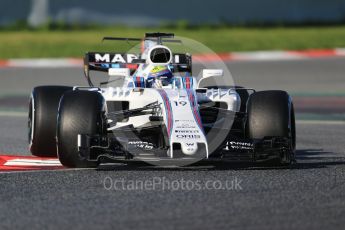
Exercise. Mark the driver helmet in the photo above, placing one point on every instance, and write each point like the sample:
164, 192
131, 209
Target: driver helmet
160, 76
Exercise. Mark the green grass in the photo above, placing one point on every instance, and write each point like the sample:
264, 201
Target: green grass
42, 43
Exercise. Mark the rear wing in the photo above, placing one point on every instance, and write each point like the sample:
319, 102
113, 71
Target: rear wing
98, 61
157, 37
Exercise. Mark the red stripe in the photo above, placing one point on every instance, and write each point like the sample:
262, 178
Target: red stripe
168, 108
138, 81
3, 63
132, 66
314, 53
212, 57
188, 83
194, 108
202, 57
169, 113
76, 61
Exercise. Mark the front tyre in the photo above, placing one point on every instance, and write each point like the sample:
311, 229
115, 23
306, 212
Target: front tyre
271, 114
43, 108
80, 112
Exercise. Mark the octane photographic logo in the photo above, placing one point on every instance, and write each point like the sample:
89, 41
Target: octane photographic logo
178, 107
166, 184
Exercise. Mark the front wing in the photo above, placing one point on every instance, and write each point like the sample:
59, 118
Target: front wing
125, 149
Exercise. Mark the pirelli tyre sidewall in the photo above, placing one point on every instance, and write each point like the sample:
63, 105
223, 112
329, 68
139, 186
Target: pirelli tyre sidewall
80, 112
271, 114
43, 108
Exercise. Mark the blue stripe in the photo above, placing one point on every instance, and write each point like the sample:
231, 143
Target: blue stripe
167, 105
195, 109
142, 82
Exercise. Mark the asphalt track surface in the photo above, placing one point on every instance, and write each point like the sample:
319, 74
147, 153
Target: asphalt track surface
308, 195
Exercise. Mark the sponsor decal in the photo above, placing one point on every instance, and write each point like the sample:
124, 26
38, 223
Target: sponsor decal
141, 145
186, 131
115, 58
157, 69
184, 126
180, 103
241, 145
124, 58
188, 136
183, 120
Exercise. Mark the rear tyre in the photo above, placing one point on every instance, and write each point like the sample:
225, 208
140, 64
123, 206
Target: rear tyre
271, 114
43, 108
80, 112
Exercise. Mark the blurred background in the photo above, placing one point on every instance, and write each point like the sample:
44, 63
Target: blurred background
157, 13
68, 28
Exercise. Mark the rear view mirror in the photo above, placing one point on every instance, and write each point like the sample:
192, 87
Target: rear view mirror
206, 73
119, 72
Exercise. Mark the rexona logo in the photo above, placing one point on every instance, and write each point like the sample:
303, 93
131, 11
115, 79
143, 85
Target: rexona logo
115, 58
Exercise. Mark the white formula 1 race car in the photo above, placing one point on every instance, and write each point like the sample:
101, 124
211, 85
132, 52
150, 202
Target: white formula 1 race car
160, 114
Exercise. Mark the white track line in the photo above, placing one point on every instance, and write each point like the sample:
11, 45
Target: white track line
45, 63
45, 170
32, 162
340, 51
320, 122
13, 114
265, 56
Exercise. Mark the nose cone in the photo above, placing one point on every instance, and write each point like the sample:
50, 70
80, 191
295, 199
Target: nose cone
189, 148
